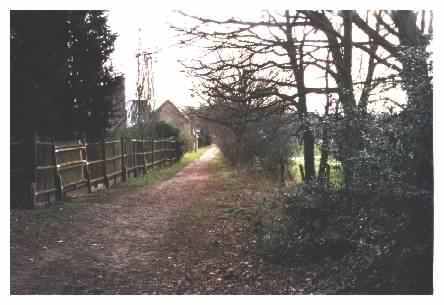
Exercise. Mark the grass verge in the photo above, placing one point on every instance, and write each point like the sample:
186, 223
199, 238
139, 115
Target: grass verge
236, 180
163, 173
239, 193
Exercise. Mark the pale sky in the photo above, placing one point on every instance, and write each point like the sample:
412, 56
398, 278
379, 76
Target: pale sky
169, 82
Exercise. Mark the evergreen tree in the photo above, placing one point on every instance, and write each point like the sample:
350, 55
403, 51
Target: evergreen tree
60, 75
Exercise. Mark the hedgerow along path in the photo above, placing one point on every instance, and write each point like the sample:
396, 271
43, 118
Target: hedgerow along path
173, 237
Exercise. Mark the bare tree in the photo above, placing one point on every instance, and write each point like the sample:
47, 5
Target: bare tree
278, 50
293, 43
233, 98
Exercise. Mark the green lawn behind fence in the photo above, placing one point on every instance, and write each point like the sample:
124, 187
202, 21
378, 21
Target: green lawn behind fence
335, 166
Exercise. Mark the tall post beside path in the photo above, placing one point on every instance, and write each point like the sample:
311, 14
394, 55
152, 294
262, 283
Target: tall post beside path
123, 163
105, 177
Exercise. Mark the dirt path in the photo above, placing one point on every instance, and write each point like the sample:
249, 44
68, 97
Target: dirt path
175, 237
112, 248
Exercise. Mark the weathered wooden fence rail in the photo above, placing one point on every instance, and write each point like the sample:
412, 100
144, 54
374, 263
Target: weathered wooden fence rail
44, 170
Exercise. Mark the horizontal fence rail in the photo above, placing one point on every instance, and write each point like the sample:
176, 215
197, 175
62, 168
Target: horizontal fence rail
59, 167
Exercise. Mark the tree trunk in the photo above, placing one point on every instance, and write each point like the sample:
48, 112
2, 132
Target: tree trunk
350, 150
309, 154
351, 129
417, 84
239, 149
322, 175
296, 58
349, 143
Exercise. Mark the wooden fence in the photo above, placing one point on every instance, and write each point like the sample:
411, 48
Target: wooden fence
59, 167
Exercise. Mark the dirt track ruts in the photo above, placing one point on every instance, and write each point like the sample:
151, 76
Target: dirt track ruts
112, 248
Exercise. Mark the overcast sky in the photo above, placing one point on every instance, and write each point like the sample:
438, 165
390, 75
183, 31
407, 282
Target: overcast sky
169, 82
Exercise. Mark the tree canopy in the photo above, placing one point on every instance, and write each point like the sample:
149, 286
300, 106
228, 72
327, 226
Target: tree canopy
356, 59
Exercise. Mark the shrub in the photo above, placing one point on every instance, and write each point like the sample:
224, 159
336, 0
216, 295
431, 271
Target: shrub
382, 244
264, 145
156, 130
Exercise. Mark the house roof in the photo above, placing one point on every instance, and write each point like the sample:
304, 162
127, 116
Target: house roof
168, 102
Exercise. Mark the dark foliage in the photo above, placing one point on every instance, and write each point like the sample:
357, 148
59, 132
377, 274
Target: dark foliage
374, 244
164, 130
204, 136
60, 77
158, 130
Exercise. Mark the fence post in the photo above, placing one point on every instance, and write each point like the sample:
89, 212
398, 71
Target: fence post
30, 183
87, 174
177, 146
171, 150
133, 143
162, 153
105, 177
123, 163
328, 174
174, 149
143, 155
152, 152
166, 148
57, 177
172, 145
165, 151
301, 170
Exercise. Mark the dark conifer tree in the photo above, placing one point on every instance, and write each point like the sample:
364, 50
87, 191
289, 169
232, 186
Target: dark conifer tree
60, 74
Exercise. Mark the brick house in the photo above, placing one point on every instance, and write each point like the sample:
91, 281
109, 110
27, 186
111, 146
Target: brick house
169, 113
